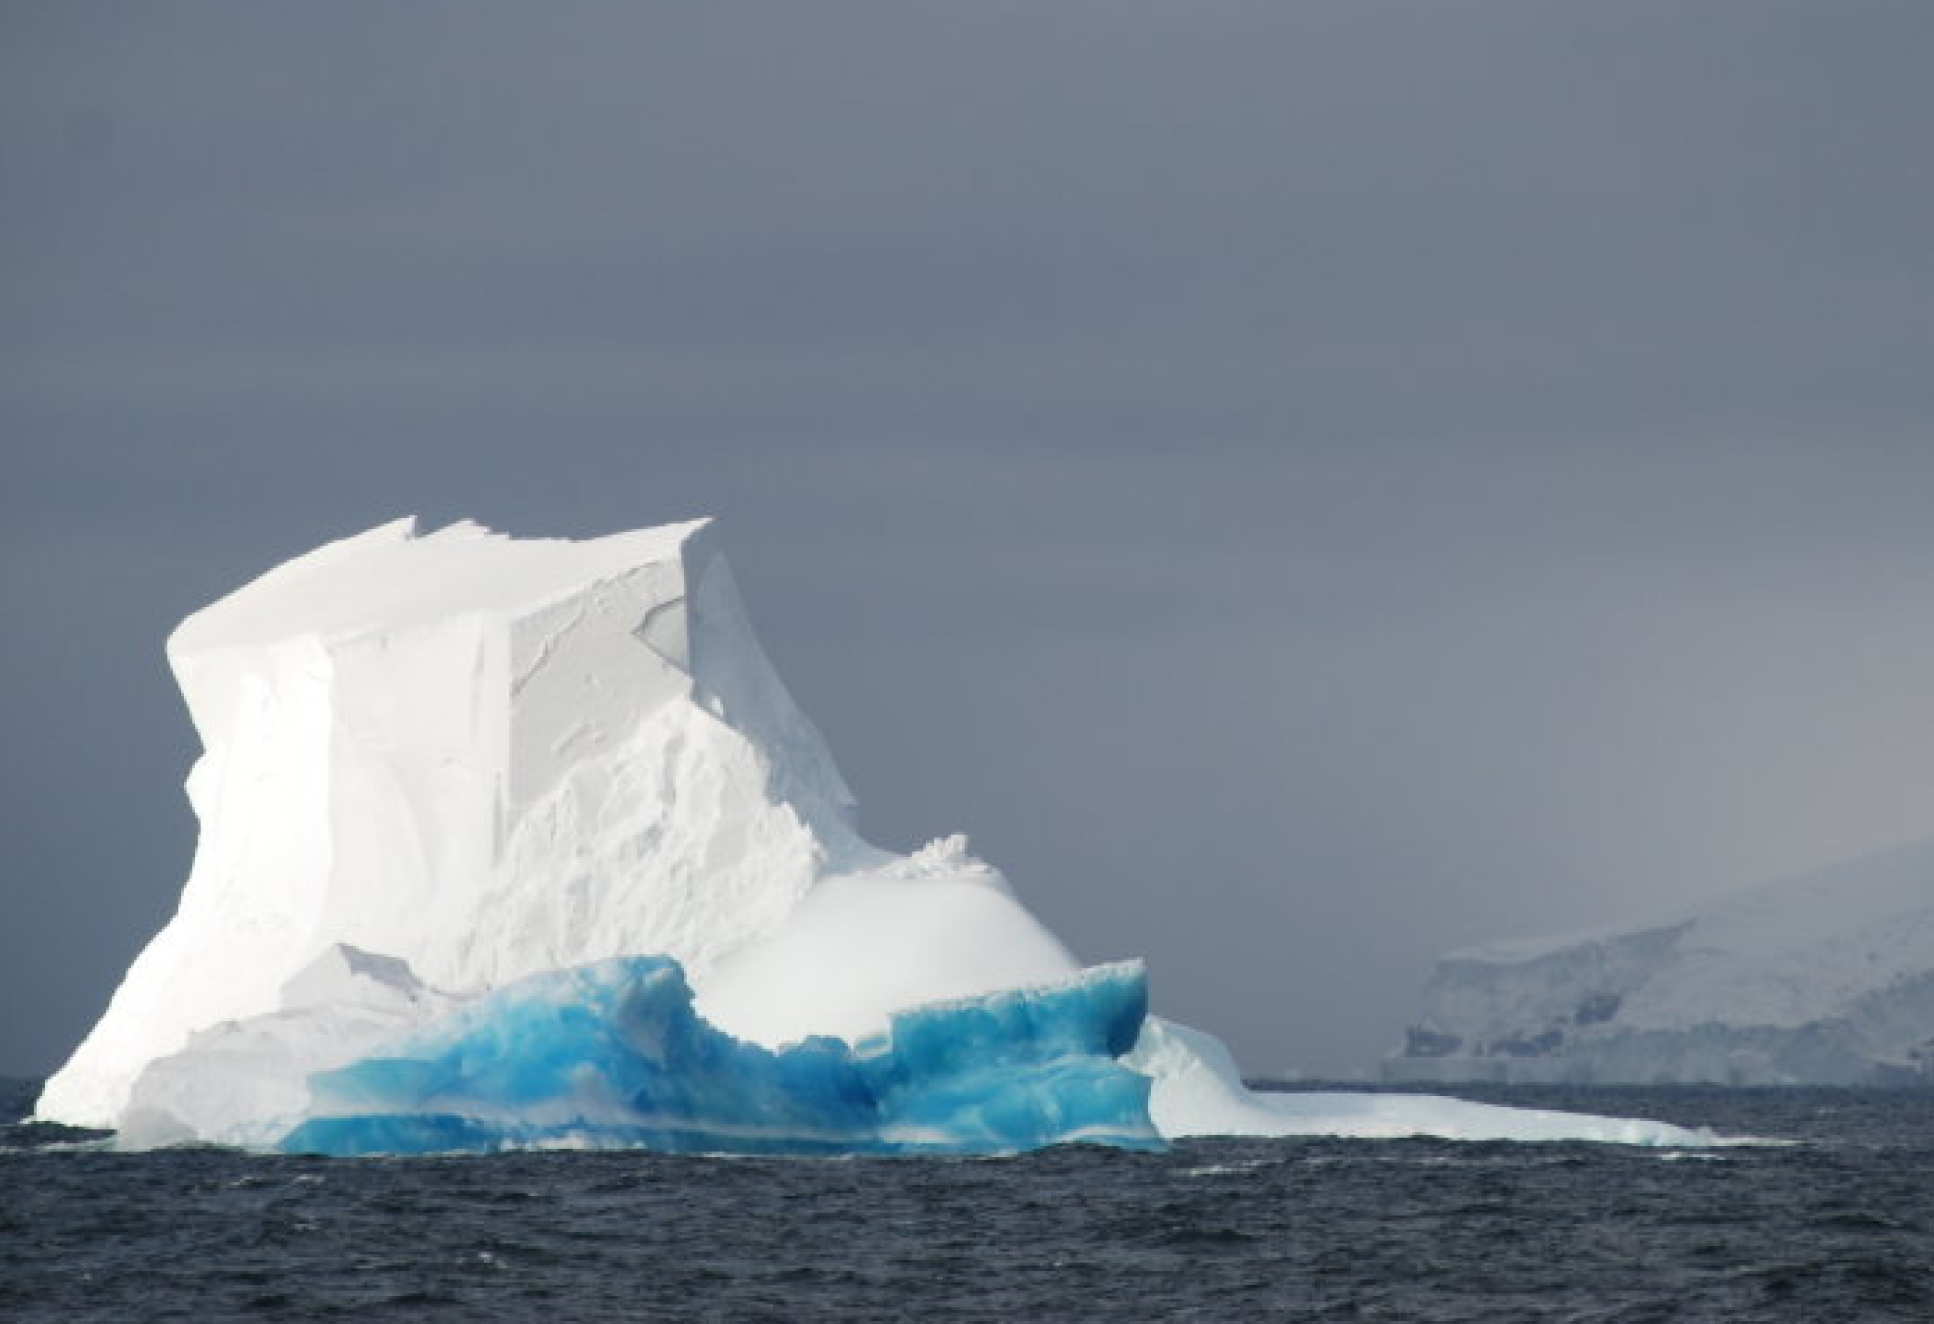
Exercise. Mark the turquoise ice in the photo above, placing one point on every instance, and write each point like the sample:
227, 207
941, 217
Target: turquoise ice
613, 1055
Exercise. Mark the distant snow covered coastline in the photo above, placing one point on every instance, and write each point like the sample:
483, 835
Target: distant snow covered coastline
524, 842
1827, 978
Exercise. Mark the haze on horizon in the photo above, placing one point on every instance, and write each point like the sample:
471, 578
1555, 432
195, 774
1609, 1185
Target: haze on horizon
1303, 486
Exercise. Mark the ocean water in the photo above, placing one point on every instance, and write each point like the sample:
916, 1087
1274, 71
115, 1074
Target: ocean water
1838, 1225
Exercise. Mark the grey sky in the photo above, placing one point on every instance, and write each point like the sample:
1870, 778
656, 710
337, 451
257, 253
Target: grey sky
1304, 485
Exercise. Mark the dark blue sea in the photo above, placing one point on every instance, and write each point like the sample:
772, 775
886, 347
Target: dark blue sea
1838, 1225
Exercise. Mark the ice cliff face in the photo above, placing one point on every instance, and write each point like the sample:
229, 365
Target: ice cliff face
1826, 978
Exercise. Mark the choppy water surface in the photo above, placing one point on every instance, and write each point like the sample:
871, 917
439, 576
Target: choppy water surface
1837, 1227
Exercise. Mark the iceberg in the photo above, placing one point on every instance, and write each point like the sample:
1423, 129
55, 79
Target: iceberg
1826, 978
524, 842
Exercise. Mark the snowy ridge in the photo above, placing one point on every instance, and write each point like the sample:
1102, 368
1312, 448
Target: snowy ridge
1827, 977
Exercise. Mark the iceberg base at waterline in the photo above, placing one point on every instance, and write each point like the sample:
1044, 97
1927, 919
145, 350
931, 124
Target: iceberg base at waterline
612, 1055
1198, 1092
615, 1054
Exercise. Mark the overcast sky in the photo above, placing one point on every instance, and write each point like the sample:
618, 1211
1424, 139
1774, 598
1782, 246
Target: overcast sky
1304, 484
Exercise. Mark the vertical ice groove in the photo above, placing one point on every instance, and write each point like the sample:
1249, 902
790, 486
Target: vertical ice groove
547, 645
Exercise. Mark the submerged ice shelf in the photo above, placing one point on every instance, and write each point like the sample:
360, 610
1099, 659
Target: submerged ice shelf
514, 842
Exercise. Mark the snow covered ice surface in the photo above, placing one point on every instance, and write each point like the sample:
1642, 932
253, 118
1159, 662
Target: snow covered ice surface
1827, 978
510, 842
